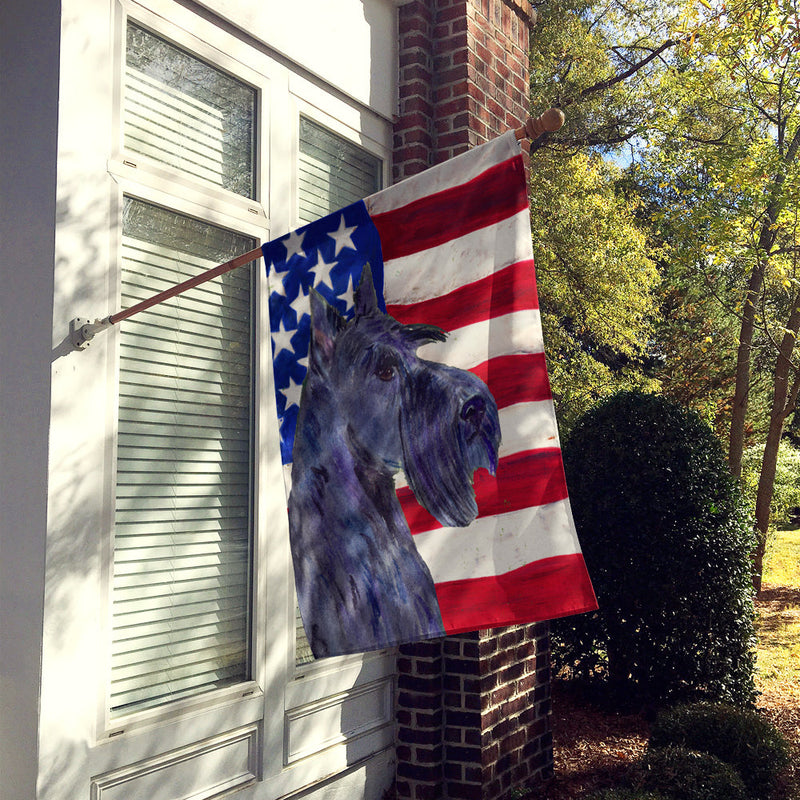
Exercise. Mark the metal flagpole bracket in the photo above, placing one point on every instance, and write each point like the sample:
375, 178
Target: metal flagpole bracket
82, 331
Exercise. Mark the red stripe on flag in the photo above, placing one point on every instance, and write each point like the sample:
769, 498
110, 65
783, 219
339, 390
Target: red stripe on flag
517, 378
524, 479
546, 589
496, 194
510, 289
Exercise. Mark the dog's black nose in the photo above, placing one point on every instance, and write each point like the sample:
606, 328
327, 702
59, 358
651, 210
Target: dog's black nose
473, 411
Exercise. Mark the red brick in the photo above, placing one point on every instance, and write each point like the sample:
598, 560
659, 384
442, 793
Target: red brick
455, 106
414, 88
422, 736
465, 791
463, 753
417, 153
417, 700
417, 136
440, 31
410, 56
429, 756
416, 73
454, 12
417, 104
513, 741
513, 671
455, 735
416, 41
429, 719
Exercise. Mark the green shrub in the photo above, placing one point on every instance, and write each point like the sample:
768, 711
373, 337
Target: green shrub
666, 539
786, 489
743, 739
683, 774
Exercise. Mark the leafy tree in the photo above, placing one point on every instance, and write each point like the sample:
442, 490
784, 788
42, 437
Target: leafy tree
706, 99
597, 279
597, 59
725, 152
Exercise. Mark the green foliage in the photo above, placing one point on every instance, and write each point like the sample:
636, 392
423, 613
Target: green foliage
590, 57
786, 490
683, 774
741, 738
596, 281
596, 275
666, 540
719, 173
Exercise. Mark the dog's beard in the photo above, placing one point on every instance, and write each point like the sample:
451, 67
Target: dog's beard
442, 446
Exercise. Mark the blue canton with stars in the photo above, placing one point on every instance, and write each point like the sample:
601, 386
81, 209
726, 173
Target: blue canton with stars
327, 255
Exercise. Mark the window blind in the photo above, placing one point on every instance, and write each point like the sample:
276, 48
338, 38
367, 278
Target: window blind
187, 114
182, 541
332, 173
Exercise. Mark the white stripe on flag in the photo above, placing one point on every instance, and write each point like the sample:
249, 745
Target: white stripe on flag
524, 426
448, 266
466, 347
495, 545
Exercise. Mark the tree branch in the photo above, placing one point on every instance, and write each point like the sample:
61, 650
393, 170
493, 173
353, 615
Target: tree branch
601, 86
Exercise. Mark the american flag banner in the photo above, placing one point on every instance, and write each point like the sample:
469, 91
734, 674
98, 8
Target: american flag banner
451, 247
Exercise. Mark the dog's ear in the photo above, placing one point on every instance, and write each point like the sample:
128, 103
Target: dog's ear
326, 322
364, 297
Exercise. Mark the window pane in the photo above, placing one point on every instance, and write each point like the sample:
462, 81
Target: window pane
182, 542
333, 173
182, 112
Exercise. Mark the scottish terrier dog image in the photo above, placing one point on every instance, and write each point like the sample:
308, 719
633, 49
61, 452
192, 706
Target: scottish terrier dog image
370, 407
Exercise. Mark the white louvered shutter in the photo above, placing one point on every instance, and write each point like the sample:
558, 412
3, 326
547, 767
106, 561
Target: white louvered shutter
182, 543
181, 593
333, 173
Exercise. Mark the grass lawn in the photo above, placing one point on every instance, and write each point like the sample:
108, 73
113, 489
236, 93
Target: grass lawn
778, 622
778, 629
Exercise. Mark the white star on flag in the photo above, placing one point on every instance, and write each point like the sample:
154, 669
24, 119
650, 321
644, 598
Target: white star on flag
282, 338
342, 236
322, 273
292, 392
276, 286
294, 245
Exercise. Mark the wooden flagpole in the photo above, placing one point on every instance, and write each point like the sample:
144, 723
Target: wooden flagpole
83, 330
179, 288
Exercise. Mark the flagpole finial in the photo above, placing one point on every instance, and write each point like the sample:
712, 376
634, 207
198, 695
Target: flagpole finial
534, 127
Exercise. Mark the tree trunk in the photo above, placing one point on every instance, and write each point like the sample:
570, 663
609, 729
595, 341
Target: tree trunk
742, 388
766, 240
784, 398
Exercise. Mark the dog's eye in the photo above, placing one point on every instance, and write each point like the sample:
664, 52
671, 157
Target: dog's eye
386, 369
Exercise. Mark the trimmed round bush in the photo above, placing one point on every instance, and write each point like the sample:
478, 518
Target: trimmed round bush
666, 538
741, 738
683, 774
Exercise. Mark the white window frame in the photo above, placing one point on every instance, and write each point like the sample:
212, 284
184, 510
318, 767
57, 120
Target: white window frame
138, 177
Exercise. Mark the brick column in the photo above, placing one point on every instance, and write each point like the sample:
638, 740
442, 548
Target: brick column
473, 711
473, 714
463, 77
